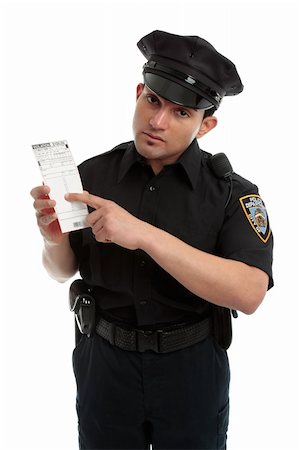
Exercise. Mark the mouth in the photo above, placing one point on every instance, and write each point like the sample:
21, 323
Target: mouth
153, 136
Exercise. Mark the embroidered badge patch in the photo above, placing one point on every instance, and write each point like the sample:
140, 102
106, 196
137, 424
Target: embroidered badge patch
256, 213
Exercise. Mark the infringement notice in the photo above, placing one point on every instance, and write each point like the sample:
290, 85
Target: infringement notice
61, 174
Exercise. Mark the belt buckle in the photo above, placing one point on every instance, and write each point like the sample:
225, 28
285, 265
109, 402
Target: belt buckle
148, 340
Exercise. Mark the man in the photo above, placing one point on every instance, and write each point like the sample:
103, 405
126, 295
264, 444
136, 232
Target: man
172, 245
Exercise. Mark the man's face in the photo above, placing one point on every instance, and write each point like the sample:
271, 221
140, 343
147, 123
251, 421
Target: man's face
163, 130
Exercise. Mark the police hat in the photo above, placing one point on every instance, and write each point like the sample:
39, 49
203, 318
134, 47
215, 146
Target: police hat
187, 70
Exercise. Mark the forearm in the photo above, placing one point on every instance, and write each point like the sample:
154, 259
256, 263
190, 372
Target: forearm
59, 260
218, 280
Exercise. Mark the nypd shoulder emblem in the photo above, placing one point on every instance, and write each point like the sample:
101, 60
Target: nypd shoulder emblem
256, 213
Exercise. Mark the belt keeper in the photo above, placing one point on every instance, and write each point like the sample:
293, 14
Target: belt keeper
159, 335
113, 332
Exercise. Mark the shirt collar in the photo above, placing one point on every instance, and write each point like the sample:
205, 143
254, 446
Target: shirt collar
130, 157
190, 160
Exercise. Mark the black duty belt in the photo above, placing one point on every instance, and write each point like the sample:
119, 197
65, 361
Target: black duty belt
160, 341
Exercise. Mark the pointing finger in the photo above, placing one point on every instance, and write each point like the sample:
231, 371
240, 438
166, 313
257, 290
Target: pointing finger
87, 198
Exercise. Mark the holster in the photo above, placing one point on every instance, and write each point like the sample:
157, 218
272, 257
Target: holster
82, 304
222, 325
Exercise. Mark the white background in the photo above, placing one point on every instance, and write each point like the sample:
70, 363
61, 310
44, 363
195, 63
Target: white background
71, 69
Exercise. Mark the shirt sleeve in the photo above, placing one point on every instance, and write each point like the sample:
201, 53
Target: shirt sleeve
246, 235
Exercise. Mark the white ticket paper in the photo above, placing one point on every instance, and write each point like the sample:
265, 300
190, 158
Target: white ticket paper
61, 174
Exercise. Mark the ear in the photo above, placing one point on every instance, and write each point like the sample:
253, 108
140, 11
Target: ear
207, 125
139, 89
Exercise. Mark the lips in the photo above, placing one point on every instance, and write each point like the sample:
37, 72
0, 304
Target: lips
153, 136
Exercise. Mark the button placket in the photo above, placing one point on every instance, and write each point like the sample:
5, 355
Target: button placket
142, 272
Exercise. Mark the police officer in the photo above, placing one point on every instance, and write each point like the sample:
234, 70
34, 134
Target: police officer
174, 235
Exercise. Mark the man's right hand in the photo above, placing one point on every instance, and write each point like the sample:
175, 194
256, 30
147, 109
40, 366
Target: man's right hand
46, 216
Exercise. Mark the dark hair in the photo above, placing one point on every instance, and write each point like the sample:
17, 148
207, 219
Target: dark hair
209, 112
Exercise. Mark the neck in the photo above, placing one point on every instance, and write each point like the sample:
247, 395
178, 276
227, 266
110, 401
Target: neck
156, 165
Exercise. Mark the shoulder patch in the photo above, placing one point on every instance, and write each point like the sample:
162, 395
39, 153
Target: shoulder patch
256, 213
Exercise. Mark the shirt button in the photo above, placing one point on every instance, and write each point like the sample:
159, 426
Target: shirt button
142, 263
143, 302
152, 188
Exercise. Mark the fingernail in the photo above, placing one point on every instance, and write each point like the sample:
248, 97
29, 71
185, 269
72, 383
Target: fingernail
66, 196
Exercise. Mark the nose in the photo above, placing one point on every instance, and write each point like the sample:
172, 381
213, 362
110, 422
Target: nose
159, 120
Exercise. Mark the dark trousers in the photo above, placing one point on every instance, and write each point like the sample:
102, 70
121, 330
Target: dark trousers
127, 400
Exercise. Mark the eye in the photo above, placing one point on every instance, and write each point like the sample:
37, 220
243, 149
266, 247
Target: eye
183, 113
152, 99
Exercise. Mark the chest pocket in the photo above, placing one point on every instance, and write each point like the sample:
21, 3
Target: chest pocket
199, 228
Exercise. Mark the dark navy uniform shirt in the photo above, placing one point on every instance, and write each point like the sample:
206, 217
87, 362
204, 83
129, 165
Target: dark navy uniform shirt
185, 199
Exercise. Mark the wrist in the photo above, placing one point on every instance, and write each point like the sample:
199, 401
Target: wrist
148, 237
51, 243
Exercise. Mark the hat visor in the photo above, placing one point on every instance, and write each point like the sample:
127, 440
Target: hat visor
175, 92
